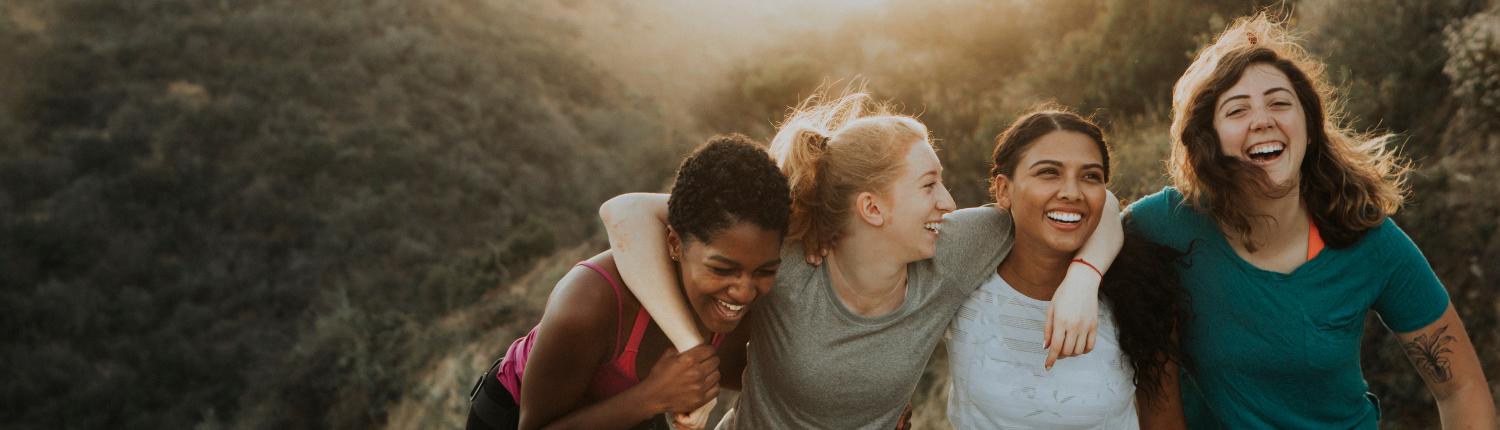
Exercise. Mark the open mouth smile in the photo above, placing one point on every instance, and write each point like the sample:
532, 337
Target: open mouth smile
1264, 153
1065, 220
1065, 217
730, 312
934, 226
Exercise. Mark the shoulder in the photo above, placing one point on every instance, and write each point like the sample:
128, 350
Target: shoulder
1389, 242
794, 264
988, 220
1164, 218
1155, 207
584, 301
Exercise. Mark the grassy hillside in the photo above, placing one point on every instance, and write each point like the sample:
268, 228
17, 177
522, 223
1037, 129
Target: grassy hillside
220, 212
333, 213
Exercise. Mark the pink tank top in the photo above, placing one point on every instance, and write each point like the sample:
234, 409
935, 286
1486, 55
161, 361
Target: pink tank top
610, 378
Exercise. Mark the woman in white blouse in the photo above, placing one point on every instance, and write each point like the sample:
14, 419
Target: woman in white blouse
1050, 171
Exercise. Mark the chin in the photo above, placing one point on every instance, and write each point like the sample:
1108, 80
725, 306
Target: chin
927, 253
1068, 245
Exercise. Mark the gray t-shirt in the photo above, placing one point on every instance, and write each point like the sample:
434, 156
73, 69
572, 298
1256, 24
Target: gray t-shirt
816, 364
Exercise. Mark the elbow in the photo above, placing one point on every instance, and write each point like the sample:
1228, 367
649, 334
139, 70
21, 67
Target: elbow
614, 209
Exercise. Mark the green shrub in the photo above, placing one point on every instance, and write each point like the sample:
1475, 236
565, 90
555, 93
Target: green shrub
1474, 61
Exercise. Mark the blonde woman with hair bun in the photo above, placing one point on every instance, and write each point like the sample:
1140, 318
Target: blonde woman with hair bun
1285, 214
876, 263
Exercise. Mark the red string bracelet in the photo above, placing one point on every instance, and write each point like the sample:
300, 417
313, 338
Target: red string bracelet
1096, 269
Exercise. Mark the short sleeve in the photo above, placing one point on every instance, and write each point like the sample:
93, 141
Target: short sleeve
972, 242
1151, 215
1412, 296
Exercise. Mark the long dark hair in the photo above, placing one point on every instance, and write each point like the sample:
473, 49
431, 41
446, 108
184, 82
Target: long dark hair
1145, 294
1142, 287
1350, 183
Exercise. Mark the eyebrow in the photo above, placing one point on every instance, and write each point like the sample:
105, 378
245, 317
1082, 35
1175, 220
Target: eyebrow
1060, 164
726, 260
1243, 96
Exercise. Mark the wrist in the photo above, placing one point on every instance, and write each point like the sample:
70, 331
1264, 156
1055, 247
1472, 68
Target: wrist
1082, 276
1091, 266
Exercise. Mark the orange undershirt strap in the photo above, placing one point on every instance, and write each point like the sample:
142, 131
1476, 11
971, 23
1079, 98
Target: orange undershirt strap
1314, 241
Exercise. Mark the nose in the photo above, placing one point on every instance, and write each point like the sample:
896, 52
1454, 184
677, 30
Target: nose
1260, 119
743, 288
945, 200
1070, 190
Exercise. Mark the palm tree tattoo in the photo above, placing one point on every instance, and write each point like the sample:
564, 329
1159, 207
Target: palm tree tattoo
1427, 354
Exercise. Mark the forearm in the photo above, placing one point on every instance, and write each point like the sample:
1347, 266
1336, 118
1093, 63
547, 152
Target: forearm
1467, 407
1099, 251
637, 228
1102, 247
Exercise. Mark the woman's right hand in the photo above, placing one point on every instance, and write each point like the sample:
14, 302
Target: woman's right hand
681, 382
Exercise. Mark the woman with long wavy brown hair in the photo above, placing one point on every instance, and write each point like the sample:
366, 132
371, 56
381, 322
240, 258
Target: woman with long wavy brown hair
1286, 213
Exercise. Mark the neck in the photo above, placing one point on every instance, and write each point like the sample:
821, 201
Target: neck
866, 278
869, 267
1034, 270
1276, 220
698, 324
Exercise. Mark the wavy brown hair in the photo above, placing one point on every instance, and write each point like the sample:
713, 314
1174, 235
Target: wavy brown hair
1349, 182
1142, 288
833, 150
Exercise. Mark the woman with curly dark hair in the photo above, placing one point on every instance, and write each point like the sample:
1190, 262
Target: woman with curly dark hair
598, 360
1050, 171
1287, 214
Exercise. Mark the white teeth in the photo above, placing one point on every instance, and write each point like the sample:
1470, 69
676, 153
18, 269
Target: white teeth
1064, 216
731, 307
1267, 149
934, 226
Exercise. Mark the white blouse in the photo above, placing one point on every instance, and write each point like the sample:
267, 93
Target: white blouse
996, 357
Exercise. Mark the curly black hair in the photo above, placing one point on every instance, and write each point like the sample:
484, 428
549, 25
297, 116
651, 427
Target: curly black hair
726, 180
1145, 293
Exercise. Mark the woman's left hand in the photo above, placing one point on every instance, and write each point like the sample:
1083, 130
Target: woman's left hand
1072, 316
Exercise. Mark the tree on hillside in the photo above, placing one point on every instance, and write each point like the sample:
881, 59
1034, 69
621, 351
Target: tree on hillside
219, 211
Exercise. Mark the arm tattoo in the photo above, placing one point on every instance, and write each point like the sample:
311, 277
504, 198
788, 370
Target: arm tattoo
1427, 354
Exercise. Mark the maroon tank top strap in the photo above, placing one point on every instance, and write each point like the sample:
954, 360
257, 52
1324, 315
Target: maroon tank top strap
626, 362
619, 303
718, 338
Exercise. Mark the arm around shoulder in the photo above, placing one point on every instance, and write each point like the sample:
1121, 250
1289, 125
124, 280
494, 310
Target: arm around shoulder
1073, 315
637, 228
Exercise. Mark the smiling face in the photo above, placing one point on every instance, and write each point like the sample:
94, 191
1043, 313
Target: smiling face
1260, 120
1056, 194
722, 277
917, 201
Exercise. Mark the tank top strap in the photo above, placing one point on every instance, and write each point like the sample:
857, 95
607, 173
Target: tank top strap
718, 338
619, 304
1314, 240
626, 362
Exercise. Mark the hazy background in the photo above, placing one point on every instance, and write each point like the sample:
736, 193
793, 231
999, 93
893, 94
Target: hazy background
335, 213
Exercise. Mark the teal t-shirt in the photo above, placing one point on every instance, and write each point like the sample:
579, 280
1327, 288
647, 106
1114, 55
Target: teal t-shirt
1281, 351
